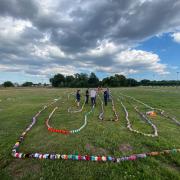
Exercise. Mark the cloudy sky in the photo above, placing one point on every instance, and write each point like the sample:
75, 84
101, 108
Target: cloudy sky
137, 38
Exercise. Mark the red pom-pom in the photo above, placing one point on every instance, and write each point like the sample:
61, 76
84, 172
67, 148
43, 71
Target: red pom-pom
79, 157
87, 158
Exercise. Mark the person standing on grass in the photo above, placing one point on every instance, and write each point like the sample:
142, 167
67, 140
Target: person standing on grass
93, 97
108, 94
105, 97
78, 97
87, 96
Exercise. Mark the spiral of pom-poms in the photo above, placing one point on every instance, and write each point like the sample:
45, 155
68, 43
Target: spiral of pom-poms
78, 157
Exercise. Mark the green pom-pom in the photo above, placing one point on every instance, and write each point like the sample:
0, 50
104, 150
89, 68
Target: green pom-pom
70, 156
174, 151
76, 157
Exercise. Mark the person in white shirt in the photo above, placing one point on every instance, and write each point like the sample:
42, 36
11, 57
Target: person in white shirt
93, 97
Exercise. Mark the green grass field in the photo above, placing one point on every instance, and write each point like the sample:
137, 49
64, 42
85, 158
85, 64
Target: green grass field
17, 107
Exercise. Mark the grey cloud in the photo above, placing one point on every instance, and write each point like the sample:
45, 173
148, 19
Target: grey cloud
30, 34
19, 8
149, 19
78, 26
106, 22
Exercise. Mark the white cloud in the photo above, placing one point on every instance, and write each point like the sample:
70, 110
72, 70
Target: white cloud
5, 68
66, 70
48, 37
128, 61
176, 37
47, 51
138, 60
105, 48
12, 28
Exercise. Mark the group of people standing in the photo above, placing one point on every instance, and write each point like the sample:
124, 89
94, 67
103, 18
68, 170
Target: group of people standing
92, 94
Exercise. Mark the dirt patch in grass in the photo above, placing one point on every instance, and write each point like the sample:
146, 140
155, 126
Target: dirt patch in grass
176, 167
125, 147
96, 150
21, 168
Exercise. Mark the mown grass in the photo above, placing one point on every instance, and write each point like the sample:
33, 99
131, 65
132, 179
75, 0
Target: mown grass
17, 107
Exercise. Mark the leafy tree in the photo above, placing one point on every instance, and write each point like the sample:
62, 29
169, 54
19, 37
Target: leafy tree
83, 80
145, 82
93, 80
69, 81
120, 79
26, 84
8, 84
58, 80
132, 82
106, 82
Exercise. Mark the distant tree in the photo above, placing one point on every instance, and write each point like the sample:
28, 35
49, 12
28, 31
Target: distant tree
114, 81
120, 80
27, 84
132, 82
8, 84
69, 81
58, 80
83, 80
93, 80
106, 82
145, 82
80, 80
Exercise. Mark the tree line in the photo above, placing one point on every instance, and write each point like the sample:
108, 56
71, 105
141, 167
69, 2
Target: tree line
85, 80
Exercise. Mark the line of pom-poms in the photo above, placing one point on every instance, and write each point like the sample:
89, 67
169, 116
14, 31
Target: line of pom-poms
93, 158
59, 131
62, 131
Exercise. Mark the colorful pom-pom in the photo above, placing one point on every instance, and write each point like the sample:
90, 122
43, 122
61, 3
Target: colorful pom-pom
132, 158
104, 158
141, 155
109, 158
92, 158
87, 158
79, 157
174, 150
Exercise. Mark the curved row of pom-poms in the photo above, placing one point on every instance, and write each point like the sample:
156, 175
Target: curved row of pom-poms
78, 110
33, 122
101, 115
148, 121
64, 131
129, 125
93, 158
114, 110
20, 155
160, 111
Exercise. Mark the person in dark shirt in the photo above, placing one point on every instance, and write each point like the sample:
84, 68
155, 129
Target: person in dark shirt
78, 97
87, 96
108, 94
105, 97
